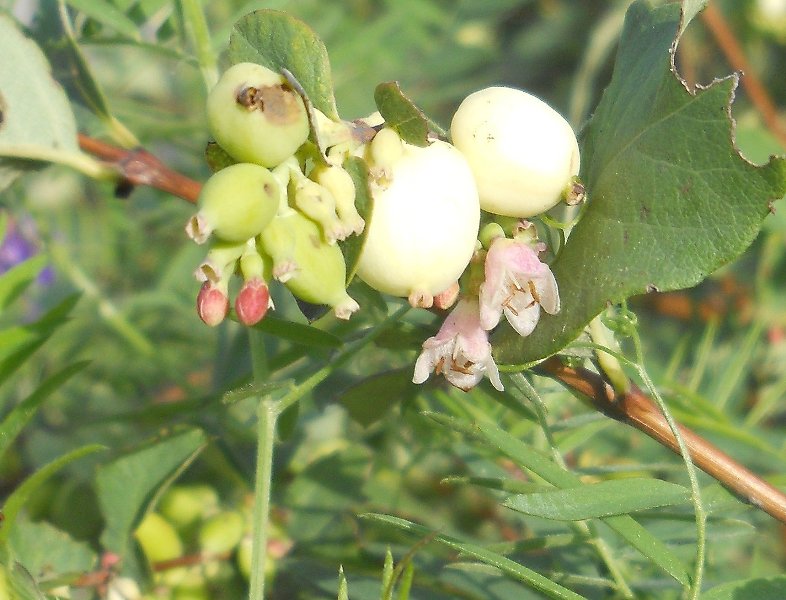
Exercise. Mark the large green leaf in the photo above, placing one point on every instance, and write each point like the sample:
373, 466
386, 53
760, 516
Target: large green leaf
604, 499
35, 117
127, 486
670, 199
44, 549
279, 41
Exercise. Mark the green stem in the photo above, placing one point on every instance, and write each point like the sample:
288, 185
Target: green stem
196, 23
84, 163
268, 411
267, 414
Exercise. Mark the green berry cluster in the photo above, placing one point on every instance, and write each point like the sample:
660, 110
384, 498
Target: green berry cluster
278, 209
194, 544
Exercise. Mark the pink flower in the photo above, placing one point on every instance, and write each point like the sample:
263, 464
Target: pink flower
460, 351
516, 284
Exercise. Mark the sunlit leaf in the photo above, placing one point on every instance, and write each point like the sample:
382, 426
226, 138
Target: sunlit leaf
604, 499
670, 199
280, 41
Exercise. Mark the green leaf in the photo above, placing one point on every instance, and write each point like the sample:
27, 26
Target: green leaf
18, 498
253, 390
533, 460
592, 501
279, 41
368, 400
53, 31
42, 548
20, 415
670, 199
401, 114
21, 584
105, 13
512, 569
762, 588
299, 333
364, 202
127, 486
17, 279
34, 112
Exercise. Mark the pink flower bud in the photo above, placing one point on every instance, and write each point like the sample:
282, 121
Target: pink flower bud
252, 302
212, 303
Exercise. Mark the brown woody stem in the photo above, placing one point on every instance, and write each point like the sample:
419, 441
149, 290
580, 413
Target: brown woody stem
636, 409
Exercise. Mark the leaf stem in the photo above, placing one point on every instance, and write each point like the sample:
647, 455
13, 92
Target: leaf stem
196, 24
70, 158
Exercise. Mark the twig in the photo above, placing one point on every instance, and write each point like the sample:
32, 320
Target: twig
139, 167
634, 408
637, 410
719, 28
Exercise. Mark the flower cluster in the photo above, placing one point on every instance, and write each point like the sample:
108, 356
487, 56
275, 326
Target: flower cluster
516, 284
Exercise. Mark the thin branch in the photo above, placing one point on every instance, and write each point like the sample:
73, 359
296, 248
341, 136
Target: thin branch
139, 167
717, 25
636, 409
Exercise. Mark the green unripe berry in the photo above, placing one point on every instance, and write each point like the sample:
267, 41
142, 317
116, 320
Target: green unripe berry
158, 538
235, 204
311, 268
221, 532
183, 505
255, 116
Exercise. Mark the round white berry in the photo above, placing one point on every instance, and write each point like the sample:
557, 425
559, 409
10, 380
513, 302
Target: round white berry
425, 219
522, 152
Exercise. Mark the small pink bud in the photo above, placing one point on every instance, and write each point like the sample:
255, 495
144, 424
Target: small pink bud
212, 304
252, 302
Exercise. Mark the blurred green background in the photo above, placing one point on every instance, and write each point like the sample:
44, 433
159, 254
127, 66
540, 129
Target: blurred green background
718, 352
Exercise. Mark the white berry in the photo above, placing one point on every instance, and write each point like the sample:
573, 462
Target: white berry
425, 218
522, 152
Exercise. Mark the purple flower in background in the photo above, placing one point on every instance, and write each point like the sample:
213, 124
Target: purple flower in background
19, 244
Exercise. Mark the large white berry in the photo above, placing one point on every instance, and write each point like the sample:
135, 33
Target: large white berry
522, 152
425, 218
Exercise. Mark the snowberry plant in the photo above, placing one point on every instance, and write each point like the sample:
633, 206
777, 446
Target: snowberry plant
476, 255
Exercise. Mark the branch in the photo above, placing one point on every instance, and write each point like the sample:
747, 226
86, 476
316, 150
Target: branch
637, 410
139, 167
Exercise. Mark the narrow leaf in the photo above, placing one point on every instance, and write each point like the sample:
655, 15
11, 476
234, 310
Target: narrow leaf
18, 498
512, 569
253, 389
670, 198
279, 41
299, 333
615, 497
20, 415
107, 14
369, 399
762, 588
17, 279
533, 460
126, 486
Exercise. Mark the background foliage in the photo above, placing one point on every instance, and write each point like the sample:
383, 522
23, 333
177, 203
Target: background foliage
152, 385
